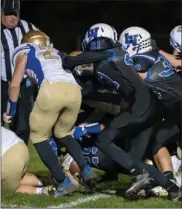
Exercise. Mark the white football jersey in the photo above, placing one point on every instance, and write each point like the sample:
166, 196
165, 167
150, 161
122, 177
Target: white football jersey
9, 138
43, 64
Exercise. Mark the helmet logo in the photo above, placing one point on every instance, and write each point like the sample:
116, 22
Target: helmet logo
92, 33
131, 39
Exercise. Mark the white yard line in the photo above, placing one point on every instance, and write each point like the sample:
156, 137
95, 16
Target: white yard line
81, 201
75, 203
4, 205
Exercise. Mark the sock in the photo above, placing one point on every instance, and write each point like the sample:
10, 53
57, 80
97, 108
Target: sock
160, 179
74, 150
50, 160
169, 174
39, 190
172, 187
135, 171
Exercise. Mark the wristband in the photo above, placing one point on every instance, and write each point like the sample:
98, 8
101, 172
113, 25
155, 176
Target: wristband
11, 108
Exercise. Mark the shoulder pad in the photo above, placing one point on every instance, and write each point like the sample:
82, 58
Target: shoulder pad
22, 48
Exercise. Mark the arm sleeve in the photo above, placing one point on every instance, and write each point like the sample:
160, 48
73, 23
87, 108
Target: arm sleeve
85, 58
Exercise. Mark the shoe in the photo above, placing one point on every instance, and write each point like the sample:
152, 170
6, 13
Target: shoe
49, 190
157, 191
88, 175
65, 188
176, 196
141, 182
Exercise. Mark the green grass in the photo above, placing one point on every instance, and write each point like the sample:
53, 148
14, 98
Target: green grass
37, 167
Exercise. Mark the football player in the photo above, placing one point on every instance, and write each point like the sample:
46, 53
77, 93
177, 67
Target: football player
56, 107
113, 68
158, 74
14, 176
175, 42
153, 68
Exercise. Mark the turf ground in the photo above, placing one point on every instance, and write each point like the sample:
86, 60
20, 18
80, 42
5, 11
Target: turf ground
102, 198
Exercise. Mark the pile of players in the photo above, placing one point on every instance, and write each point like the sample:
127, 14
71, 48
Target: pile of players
130, 95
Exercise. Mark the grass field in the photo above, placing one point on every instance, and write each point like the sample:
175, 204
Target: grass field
102, 198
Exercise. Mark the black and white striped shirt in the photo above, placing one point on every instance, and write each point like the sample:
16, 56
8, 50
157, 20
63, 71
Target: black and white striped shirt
10, 39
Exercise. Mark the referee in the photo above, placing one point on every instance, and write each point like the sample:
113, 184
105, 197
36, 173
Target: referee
12, 31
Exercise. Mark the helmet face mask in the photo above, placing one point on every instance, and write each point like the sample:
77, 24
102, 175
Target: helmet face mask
95, 35
36, 37
135, 40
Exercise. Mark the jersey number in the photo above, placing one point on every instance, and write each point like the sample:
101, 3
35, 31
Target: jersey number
47, 54
168, 68
92, 151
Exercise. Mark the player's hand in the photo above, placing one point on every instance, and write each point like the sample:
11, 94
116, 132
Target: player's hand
79, 132
7, 118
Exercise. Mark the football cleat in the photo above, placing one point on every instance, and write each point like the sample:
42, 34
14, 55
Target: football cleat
88, 175
65, 188
49, 190
157, 191
141, 182
176, 196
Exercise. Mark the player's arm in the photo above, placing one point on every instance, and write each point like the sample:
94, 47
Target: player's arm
14, 87
19, 62
85, 58
171, 59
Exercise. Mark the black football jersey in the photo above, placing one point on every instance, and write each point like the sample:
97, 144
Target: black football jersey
164, 81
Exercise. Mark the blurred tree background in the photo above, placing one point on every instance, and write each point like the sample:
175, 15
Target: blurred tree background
67, 21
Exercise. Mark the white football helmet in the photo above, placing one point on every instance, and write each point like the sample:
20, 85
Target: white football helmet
135, 40
97, 31
175, 38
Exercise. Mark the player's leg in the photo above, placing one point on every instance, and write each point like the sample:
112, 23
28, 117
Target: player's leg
166, 135
42, 119
64, 125
31, 179
14, 166
105, 141
31, 184
140, 143
96, 159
